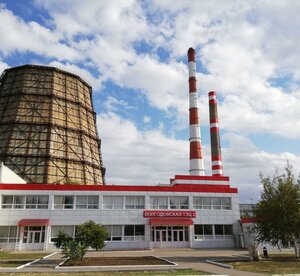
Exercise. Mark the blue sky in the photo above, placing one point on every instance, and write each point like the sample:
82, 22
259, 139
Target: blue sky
133, 53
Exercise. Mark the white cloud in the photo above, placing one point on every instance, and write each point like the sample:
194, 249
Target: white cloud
146, 119
24, 36
3, 66
83, 73
135, 157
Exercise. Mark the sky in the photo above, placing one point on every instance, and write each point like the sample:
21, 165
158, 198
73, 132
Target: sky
134, 55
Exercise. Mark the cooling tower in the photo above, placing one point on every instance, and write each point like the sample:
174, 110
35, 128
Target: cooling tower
48, 127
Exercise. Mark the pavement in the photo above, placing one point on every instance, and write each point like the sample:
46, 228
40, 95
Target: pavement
185, 258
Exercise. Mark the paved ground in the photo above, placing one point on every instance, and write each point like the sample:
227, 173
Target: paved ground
183, 257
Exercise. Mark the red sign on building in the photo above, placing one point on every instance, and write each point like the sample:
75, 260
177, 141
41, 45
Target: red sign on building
169, 214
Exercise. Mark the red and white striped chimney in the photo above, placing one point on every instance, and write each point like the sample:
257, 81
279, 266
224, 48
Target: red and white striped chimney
196, 161
216, 157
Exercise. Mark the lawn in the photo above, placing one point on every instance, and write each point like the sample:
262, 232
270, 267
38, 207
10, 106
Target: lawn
275, 264
137, 273
12, 259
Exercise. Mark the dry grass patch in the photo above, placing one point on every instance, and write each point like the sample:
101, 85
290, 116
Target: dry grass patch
130, 273
117, 261
276, 264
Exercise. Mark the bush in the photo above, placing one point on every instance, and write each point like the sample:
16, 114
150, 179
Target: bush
74, 250
92, 235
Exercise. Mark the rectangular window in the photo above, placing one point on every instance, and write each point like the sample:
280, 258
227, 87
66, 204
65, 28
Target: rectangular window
134, 202
216, 203
134, 232
8, 233
158, 202
114, 232
7, 201
87, 202
13, 201
68, 229
63, 202
223, 231
203, 231
179, 202
113, 202
37, 202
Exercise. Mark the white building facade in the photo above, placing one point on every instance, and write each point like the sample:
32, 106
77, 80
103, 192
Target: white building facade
192, 212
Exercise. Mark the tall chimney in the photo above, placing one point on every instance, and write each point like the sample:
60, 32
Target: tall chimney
216, 158
196, 161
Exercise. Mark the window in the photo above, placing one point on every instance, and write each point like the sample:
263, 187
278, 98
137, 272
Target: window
87, 202
68, 229
158, 202
203, 231
216, 203
223, 231
63, 202
134, 202
134, 232
13, 201
113, 202
114, 232
8, 233
179, 202
37, 201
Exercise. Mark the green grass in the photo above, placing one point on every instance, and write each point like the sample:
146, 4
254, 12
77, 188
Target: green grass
137, 273
276, 264
21, 256
13, 259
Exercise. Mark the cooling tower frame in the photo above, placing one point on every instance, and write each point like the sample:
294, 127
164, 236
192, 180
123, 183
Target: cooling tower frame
48, 128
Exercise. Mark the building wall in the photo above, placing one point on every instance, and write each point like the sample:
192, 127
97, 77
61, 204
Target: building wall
57, 217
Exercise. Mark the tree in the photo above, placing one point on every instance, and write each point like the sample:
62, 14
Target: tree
74, 250
91, 234
61, 239
88, 234
278, 211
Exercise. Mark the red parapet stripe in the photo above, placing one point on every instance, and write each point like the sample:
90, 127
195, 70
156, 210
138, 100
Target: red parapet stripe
212, 93
201, 177
248, 220
177, 188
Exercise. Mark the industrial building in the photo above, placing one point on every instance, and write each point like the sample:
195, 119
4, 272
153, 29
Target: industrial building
194, 211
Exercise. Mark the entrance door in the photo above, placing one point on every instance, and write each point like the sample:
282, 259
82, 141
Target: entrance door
170, 236
33, 237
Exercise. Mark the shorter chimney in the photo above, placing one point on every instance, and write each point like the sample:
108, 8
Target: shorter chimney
216, 157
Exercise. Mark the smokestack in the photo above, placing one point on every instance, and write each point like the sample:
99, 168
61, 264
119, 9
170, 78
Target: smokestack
196, 161
216, 158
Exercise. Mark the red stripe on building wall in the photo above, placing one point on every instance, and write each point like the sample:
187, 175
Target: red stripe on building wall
200, 177
177, 188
